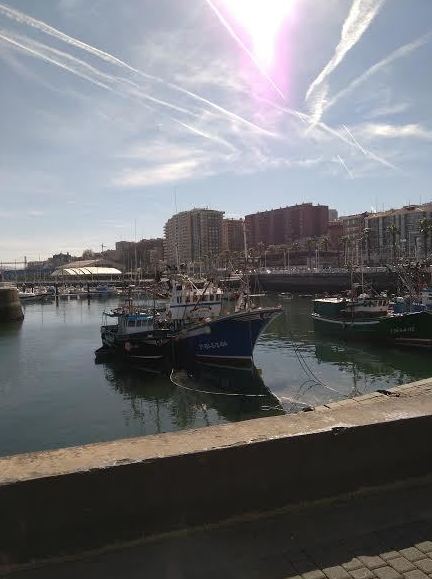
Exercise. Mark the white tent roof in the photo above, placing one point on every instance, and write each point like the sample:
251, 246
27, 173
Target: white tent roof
84, 271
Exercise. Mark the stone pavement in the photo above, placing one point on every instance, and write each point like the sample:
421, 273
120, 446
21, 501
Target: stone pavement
382, 534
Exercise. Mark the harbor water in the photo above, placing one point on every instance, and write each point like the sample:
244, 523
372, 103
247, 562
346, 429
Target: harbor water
53, 394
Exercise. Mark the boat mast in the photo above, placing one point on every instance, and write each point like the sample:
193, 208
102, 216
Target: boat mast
245, 242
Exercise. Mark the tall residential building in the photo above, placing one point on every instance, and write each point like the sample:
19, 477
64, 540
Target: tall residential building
280, 226
233, 234
405, 235
193, 236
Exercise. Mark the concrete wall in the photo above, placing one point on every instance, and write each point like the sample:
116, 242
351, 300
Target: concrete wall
69, 500
312, 282
10, 305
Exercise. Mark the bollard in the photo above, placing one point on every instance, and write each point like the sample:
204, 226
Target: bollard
10, 305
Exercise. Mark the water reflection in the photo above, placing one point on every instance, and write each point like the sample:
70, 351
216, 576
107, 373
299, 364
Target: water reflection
199, 396
300, 369
50, 383
311, 369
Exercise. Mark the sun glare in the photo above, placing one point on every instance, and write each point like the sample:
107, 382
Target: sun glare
262, 21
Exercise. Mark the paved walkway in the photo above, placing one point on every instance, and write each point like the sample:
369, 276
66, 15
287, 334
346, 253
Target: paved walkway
385, 535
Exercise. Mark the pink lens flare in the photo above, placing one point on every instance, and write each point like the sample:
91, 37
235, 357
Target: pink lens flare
262, 29
262, 21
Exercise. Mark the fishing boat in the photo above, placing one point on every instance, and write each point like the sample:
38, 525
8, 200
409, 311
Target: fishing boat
420, 302
136, 334
368, 317
206, 334
193, 328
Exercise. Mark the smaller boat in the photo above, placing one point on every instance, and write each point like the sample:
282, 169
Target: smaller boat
371, 318
413, 303
137, 334
31, 297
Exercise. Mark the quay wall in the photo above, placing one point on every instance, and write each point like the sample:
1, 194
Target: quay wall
72, 500
10, 305
313, 282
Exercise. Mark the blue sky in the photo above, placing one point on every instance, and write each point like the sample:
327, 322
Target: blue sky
112, 110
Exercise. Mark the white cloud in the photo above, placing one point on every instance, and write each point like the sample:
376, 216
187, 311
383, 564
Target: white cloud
397, 54
387, 110
385, 131
157, 174
101, 78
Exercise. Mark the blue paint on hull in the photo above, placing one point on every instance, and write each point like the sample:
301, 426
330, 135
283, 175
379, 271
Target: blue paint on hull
230, 339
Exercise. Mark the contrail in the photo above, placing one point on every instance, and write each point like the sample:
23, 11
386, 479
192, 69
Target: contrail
49, 54
42, 56
243, 46
22, 18
206, 135
400, 52
351, 141
368, 153
345, 166
360, 17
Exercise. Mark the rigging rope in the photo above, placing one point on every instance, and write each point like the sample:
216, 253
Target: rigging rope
215, 393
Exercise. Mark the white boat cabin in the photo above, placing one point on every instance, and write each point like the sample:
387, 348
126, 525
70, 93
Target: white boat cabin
188, 302
132, 322
366, 304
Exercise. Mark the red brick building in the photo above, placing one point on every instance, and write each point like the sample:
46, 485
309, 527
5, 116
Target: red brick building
280, 226
335, 234
232, 234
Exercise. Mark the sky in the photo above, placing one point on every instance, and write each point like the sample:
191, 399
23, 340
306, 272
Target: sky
115, 115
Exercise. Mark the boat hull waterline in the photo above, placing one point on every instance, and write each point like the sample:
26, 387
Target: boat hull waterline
228, 340
413, 328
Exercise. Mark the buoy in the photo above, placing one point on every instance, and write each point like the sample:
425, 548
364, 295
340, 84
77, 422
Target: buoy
10, 305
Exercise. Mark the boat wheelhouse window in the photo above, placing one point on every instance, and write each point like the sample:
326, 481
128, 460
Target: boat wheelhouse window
211, 297
138, 323
131, 323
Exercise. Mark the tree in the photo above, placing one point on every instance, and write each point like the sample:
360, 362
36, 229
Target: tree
324, 243
88, 254
311, 245
394, 231
425, 226
261, 248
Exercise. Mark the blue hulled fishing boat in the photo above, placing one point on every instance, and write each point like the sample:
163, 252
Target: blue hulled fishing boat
193, 328
218, 338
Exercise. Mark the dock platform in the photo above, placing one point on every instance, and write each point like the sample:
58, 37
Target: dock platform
336, 492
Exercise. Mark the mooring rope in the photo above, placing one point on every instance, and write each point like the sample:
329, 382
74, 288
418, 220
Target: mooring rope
215, 393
